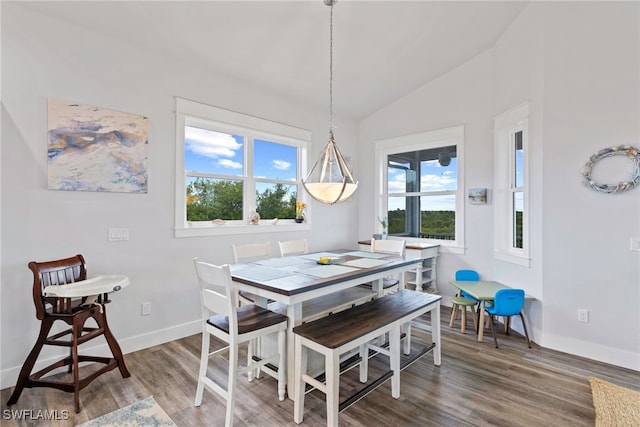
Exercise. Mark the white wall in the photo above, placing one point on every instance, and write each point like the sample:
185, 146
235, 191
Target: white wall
578, 65
42, 58
591, 101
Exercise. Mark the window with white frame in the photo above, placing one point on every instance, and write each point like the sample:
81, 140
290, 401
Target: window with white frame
511, 185
230, 166
420, 186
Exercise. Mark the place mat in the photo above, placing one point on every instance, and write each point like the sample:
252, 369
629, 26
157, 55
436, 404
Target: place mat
365, 263
325, 271
283, 262
614, 405
317, 255
363, 254
261, 273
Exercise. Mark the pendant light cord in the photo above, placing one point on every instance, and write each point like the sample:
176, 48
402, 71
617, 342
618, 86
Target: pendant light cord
331, 73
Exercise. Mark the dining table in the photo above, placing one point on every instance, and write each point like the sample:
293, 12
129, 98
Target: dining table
485, 291
292, 280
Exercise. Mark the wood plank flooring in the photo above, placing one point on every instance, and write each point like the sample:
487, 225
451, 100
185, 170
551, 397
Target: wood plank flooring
477, 385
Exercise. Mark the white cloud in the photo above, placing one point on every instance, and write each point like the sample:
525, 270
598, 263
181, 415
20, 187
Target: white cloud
230, 164
210, 144
281, 165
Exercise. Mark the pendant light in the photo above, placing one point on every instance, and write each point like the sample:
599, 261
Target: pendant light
332, 182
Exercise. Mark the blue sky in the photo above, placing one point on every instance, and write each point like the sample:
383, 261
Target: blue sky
221, 153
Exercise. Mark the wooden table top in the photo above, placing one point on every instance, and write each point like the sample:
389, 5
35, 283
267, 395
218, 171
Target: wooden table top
301, 273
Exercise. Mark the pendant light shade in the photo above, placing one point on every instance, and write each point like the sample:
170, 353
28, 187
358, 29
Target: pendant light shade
332, 182
330, 179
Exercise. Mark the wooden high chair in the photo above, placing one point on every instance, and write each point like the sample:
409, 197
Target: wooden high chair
74, 312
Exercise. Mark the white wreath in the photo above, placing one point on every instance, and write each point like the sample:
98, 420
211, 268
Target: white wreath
623, 150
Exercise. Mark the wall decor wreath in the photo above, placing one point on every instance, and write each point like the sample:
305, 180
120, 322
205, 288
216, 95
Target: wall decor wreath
619, 150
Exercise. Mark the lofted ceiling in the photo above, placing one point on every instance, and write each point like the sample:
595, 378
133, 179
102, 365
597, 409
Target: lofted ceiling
383, 50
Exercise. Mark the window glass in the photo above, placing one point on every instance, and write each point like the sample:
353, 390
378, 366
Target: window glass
518, 212
209, 199
274, 161
518, 160
211, 152
423, 213
276, 200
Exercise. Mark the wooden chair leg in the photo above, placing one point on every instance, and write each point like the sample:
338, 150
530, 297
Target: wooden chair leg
113, 344
493, 329
463, 319
454, 314
29, 363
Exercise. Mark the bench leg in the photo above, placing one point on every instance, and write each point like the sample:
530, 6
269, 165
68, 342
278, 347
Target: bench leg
299, 384
364, 364
407, 338
332, 375
394, 360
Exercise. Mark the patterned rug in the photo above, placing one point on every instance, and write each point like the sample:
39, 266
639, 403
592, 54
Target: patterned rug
146, 412
615, 406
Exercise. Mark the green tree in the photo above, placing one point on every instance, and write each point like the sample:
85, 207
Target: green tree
276, 202
209, 199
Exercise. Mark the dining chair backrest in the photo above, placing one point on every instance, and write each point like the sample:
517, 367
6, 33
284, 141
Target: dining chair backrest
508, 302
216, 292
251, 252
387, 246
467, 275
293, 247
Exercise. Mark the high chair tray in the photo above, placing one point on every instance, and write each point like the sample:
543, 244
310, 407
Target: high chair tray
94, 286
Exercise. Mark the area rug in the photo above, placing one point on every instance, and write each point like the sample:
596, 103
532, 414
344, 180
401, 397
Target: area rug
146, 412
615, 406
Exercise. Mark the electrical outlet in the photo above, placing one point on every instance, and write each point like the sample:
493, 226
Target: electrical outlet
635, 244
117, 234
146, 308
583, 315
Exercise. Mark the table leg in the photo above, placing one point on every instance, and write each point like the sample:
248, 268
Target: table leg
481, 322
294, 313
435, 335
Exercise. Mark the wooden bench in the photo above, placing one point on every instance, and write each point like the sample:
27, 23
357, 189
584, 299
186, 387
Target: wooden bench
355, 328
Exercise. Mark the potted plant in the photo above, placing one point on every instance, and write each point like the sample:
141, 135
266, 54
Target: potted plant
300, 206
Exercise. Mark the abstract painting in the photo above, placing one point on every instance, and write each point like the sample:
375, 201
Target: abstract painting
96, 149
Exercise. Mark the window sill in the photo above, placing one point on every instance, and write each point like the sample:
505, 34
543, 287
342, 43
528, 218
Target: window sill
231, 229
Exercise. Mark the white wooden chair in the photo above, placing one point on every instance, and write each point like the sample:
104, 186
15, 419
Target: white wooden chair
293, 247
235, 325
249, 252
392, 247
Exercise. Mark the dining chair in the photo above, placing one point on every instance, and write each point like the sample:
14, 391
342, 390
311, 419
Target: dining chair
74, 312
507, 303
249, 252
463, 301
392, 247
235, 325
293, 247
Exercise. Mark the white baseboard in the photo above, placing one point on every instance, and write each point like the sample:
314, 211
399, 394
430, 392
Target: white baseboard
9, 377
590, 350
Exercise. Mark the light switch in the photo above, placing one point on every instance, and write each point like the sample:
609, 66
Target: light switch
635, 244
117, 234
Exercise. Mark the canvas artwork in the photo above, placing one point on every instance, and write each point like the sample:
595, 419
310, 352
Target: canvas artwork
478, 196
96, 149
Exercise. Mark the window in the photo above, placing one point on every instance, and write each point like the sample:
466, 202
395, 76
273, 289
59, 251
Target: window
420, 189
511, 185
229, 166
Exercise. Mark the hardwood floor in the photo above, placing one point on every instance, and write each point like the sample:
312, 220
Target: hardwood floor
476, 385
